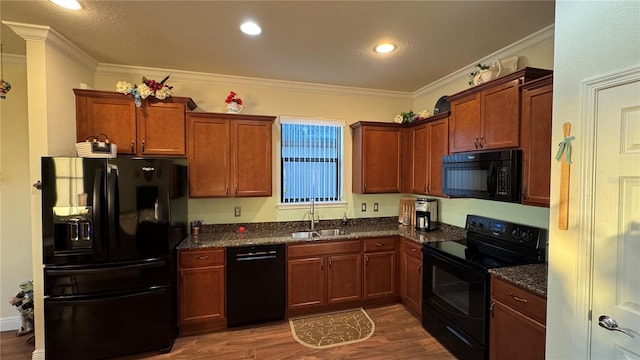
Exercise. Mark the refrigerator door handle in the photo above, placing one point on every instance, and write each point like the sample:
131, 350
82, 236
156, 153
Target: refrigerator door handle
74, 270
77, 299
113, 206
98, 211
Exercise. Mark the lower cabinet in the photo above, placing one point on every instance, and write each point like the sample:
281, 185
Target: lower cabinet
380, 275
201, 290
323, 276
411, 276
517, 322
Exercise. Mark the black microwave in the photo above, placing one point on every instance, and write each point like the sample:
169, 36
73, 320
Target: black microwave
492, 175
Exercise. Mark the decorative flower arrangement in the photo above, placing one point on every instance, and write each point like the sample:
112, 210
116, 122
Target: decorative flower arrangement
158, 90
479, 68
408, 117
233, 97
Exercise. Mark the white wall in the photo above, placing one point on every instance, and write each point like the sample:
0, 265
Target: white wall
592, 38
15, 222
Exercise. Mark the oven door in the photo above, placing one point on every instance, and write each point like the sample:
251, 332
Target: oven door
454, 303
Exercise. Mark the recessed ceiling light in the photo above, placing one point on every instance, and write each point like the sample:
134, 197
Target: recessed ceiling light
68, 4
250, 28
384, 48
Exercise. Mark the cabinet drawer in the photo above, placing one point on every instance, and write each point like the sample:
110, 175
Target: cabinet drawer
519, 299
379, 244
200, 258
412, 249
326, 248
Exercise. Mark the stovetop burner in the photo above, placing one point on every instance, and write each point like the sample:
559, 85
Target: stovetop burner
492, 243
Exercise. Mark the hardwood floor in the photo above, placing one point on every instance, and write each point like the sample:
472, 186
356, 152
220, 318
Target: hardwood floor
398, 336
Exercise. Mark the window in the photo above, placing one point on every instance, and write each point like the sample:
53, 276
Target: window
311, 155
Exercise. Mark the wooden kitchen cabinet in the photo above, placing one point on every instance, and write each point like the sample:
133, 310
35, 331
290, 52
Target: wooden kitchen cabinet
429, 144
377, 151
380, 275
156, 128
323, 276
537, 104
201, 290
487, 116
411, 275
229, 155
517, 322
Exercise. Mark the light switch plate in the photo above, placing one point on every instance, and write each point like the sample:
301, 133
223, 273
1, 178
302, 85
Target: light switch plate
364, 207
237, 211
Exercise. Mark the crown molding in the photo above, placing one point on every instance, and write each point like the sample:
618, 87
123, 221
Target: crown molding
49, 36
180, 75
522, 46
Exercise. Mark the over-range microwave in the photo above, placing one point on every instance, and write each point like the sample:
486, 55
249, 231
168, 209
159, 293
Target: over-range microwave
492, 175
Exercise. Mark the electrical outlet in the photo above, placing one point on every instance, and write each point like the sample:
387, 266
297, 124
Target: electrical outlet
236, 211
375, 206
364, 207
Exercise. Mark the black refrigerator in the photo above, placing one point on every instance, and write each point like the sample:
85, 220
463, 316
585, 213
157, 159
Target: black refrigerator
110, 230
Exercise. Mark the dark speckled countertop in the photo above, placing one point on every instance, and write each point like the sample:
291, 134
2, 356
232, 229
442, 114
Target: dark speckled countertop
531, 277
227, 235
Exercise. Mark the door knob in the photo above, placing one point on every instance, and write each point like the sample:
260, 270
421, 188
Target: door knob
610, 324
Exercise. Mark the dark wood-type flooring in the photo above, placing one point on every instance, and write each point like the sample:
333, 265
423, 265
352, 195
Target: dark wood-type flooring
398, 335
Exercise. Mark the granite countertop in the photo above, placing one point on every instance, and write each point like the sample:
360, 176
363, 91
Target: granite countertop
531, 277
227, 235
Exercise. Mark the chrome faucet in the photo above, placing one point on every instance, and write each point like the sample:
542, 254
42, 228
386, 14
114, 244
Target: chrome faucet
312, 214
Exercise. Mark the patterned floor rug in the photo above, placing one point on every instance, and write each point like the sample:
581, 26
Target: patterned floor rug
334, 329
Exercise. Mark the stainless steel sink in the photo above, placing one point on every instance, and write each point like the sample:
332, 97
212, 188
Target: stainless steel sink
310, 234
305, 234
333, 232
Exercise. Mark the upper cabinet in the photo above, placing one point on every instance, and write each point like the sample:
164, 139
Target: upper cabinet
487, 116
229, 155
429, 142
537, 101
156, 128
377, 149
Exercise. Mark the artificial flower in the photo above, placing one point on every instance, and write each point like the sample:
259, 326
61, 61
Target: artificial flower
233, 97
147, 88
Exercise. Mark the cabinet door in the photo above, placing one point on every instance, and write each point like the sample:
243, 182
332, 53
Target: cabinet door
420, 164
201, 295
251, 158
464, 125
114, 116
438, 144
536, 145
305, 282
412, 292
381, 148
209, 157
344, 278
379, 274
513, 334
500, 118
161, 129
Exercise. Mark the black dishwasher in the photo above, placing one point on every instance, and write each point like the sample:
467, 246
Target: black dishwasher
256, 284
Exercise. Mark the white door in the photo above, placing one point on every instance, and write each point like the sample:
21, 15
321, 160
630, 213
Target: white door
616, 252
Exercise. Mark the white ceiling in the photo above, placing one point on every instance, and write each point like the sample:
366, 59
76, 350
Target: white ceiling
325, 42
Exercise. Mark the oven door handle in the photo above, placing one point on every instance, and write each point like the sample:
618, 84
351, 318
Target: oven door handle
435, 255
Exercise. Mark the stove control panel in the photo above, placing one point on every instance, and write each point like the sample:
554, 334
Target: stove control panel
506, 231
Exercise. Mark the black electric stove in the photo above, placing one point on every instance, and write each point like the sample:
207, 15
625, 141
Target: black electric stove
456, 291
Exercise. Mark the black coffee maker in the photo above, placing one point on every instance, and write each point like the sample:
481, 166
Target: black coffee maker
426, 214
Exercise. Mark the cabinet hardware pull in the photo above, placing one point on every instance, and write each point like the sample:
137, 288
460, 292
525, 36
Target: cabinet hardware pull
365, 186
378, 244
475, 142
142, 145
321, 263
226, 189
366, 260
203, 257
329, 262
524, 192
419, 268
236, 189
413, 249
518, 298
481, 142
493, 303
132, 147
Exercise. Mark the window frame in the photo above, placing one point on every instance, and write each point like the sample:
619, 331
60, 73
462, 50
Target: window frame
341, 168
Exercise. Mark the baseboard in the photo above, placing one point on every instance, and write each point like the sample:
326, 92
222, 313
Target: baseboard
10, 323
38, 354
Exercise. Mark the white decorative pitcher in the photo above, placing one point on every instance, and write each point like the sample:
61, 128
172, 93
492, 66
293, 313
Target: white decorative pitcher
489, 74
234, 108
